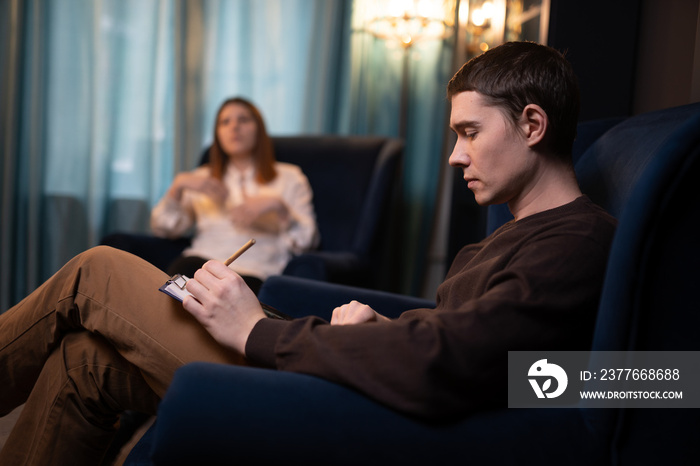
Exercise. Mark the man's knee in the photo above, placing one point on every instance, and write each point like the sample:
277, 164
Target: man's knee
103, 378
103, 256
106, 259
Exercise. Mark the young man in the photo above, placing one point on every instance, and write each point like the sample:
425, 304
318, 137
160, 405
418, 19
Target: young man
99, 338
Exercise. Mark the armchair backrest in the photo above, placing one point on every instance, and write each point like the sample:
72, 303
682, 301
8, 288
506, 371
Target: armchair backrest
650, 302
645, 172
637, 171
612, 167
352, 178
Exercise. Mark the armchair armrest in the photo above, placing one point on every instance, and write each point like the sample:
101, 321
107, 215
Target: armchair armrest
219, 414
158, 251
335, 266
300, 297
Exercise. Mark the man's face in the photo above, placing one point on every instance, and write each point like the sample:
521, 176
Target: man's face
494, 156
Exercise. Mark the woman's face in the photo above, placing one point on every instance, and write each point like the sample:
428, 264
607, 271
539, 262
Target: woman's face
237, 130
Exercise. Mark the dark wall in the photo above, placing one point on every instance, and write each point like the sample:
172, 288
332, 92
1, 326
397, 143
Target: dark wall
600, 38
668, 65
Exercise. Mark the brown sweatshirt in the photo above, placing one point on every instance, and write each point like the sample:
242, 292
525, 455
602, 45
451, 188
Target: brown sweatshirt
533, 284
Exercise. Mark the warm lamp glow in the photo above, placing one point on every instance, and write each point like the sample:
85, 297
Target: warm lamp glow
409, 21
478, 17
488, 9
483, 14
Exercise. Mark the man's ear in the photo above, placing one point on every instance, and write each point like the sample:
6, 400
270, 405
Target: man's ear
534, 123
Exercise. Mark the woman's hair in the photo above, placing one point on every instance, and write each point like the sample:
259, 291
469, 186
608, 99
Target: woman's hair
263, 153
516, 74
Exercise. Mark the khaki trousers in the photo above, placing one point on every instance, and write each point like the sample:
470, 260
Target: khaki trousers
96, 339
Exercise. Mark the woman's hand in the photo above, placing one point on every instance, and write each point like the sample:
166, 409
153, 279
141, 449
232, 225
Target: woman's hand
266, 213
355, 313
223, 304
199, 182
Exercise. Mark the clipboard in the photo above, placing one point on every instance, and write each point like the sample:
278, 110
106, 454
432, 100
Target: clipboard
175, 287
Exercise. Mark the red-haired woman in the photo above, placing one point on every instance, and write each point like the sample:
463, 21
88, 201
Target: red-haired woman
242, 193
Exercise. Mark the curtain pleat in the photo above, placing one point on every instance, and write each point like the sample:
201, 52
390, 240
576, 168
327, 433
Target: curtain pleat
10, 35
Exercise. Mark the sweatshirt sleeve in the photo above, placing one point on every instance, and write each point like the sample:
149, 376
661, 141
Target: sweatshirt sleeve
443, 363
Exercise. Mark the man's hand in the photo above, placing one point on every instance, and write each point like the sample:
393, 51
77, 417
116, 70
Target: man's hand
223, 304
355, 313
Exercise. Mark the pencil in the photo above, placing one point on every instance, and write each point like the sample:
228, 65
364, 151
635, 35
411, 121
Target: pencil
238, 253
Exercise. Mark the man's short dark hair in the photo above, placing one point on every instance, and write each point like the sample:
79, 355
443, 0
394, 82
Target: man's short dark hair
516, 74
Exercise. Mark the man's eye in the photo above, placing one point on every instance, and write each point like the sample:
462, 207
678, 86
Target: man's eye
471, 135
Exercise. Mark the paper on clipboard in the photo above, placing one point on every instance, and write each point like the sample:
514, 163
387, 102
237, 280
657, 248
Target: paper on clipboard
175, 287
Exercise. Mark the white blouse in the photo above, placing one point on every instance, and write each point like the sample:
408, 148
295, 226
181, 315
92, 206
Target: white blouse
216, 236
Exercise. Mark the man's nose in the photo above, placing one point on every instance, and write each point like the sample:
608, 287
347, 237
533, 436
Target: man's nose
458, 158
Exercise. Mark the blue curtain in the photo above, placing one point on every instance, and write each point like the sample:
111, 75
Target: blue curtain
104, 100
88, 104
378, 71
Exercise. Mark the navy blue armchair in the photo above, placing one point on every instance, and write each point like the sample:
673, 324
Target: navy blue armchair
645, 171
356, 183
